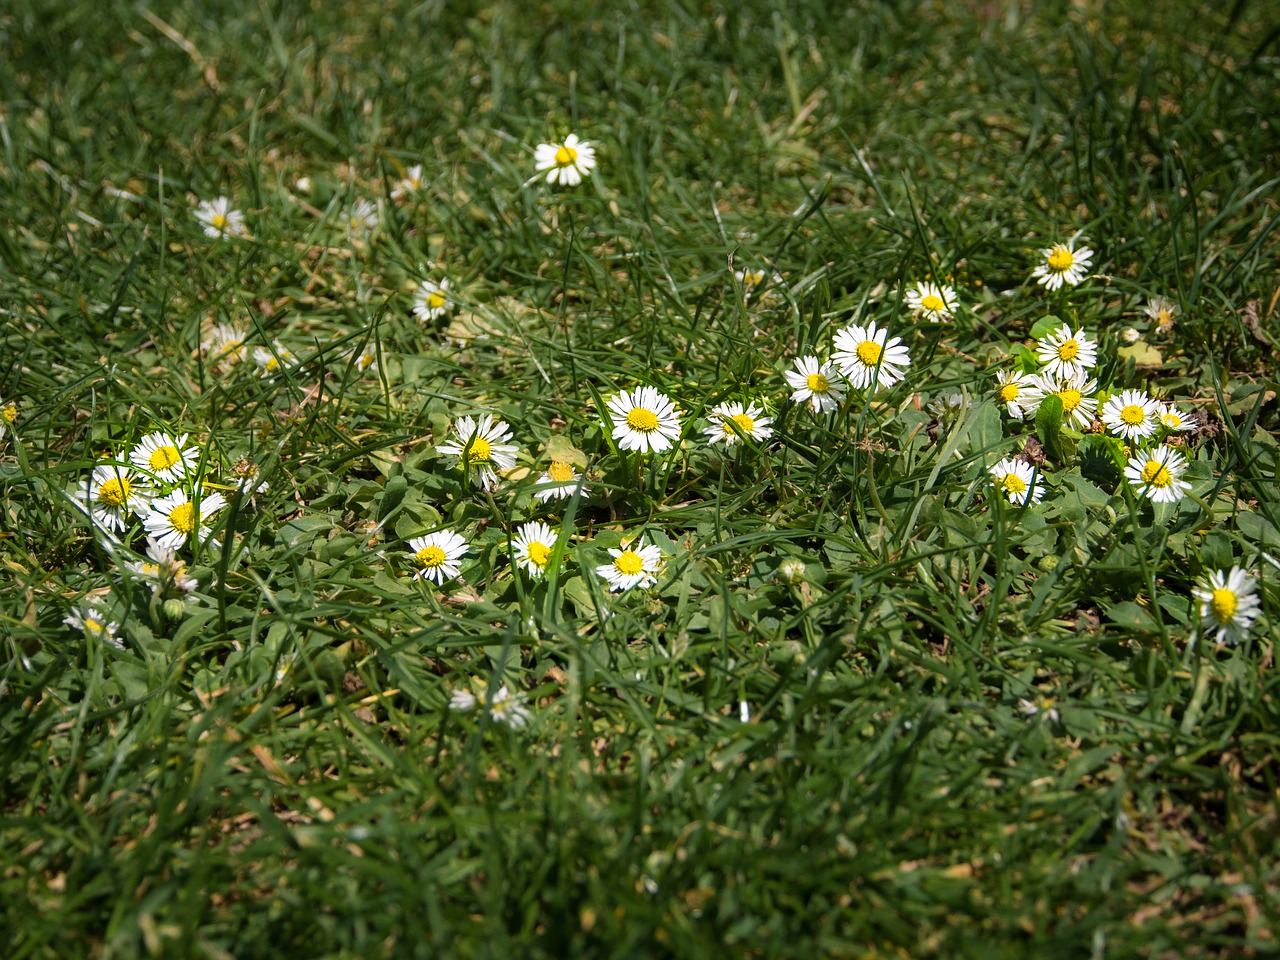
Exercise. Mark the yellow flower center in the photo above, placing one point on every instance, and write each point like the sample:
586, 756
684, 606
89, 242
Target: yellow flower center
565, 156
93, 626
642, 420
162, 458
430, 557
1156, 474
539, 553
435, 300
114, 493
1061, 259
1133, 415
1171, 420
932, 303
560, 472
10, 412
183, 518
1070, 398
752, 278
817, 383
745, 423
1223, 604
1068, 350
1164, 319
478, 451
628, 563
1014, 483
272, 364
869, 352
1009, 393
220, 221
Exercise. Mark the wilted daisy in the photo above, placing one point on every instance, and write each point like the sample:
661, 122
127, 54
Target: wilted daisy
1076, 394
1157, 474
481, 447
1163, 313
432, 300
1020, 393
111, 495
752, 279
271, 360
1063, 264
361, 218
532, 547
1017, 481
565, 163
947, 407
729, 420
164, 456
163, 570
633, 566
8, 416
932, 301
225, 344
219, 218
91, 620
1131, 414
815, 383
1228, 604
559, 481
1067, 354
410, 183
437, 555
172, 520
247, 477
644, 420
865, 358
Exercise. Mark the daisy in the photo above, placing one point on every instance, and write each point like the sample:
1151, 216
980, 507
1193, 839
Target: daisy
432, 300
111, 494
163, 570
1163, 313
1131, 414
1020, 393
505, 707
1228, 604
437, 555
361, 218
1063, 264
171, 520
751, 280
1174, 420
865, 358
1076, 394
410, 183
463, 701
815, 383
559, 481
1018, 481
565, 163
932, 301
1042, 707
949, 406
1157, 474
533, 546
366, 360
644, 420
1067, 354
728, 420
225, 344
634, 566
219, 218
163, 456
91, 620
247, 477
8, 416
481, 446
271, 360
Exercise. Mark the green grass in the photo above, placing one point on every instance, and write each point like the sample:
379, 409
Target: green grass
268, 766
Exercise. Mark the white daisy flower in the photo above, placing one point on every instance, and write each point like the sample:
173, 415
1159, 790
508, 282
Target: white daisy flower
1076, 394
565, 163
366, 361
1020, 393
225, 344
1063, 264
1163, 313
1066, 354
1042, 707
533, 546
164, 456
1174, 420
8, 415
728, 420
361, 218
1131, 414
437, 555
558, 482
271, 360
932, 301
644, 420
1228, 604
1018, 481
751, 280
865, 358
409, 184
111, 494
219, 218
634, 566
91, 620
481, 447
171, 520
166, 573
815, 383
507, 707
1157, 475
432, 300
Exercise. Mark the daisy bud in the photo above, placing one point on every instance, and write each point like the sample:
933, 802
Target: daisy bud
791, 571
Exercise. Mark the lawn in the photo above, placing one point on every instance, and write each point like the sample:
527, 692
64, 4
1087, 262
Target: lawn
647, 480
